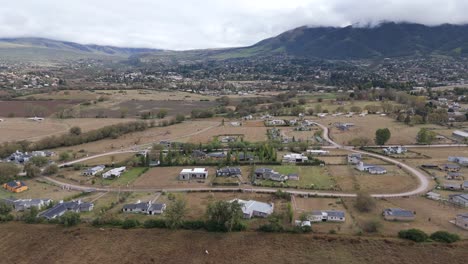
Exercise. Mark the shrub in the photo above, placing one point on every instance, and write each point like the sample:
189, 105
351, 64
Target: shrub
415, 235
371, 226
50, 170
130, 223
193, 225
364, 202
154, 223
444, 237
70, 219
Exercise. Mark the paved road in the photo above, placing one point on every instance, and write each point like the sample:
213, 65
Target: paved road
423, 186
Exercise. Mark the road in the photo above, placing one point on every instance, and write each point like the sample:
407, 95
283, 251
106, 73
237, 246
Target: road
423, 186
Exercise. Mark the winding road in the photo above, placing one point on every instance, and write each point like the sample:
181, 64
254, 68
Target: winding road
423, 186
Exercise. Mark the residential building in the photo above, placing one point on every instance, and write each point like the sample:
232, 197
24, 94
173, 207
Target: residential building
63, 207
317, 152
293, 177
229, 172
114, 173
15, 186
354, 158
23, 204
395, 150
269, 174
460, 160
452, 186
198, 154
372, 169
276, 122
94, 170
433, 196
295, 158
253, 208
196, 173
451, 167
327, 216
397, 214
454, 176
144, 208
463, 135
459, 199
217, 155
462, 221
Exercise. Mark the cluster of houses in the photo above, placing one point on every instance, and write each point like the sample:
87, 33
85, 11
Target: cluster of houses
24, 204
110, 174
356, 159
395, 150
294, 158
23, 157
272, 175
62, 207
148, 208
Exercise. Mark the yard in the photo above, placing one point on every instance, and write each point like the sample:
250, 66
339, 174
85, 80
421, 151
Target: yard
310, 177
168, 177
125, 180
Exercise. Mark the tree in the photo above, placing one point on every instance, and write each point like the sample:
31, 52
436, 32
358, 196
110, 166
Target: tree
64, 156
161, 113
224, 216
70, 219
364, 202
5, 208
32, 170
180, 118
8, 171
382, 136
444, 237
39, 161
355, 109
75, 131
413, 234
175, 213
51, 169
425, 136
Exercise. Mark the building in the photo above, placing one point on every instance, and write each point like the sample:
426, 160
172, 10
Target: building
397, 214
63, 207
15, 186
327, 216
463, 135
452, 186
94, 170
465, 185
317, 152
229, 172
460, 160
372, 169
459, 199
23, 204
217, 155
295, 158
433, 196
451, 167
144, 208
354, 158
228, 139
293, 177
454, 176
276, 122
253, 208
269, 174
196, 173
462, 221
114, 173
198, 154
395, 150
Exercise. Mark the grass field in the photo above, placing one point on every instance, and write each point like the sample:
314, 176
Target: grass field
54, 244
125, 180
309, 176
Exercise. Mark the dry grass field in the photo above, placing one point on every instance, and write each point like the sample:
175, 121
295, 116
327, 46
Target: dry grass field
55, 244
167, 177
431, 215
38, 189
23, 108
251, 133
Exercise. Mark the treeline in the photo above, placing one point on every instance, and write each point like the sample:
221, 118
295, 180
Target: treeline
72, 139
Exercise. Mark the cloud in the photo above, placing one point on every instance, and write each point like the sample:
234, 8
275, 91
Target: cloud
189, 24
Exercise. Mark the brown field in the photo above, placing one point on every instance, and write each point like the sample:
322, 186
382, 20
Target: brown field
64, 95
251, 133
438, 213
31, 108
14, 129
55, 244
350, 180
108, 160
38, 189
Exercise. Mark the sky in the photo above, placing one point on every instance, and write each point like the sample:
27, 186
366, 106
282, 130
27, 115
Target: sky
184, 24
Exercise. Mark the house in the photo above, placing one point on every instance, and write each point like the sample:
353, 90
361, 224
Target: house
317, 152
228, 139
433, 196
63, 207
253, 208
299, 223
397, 214
23, 204
454, 176
144, 208
245, 157
326, 216
460, 160
293, 177
462, 221
451, 167
460, 134
19, 157
166, 143
196, 173
295, 158
94, 170
344, 126
465, 185
247, 117
15, 186
276, 122
229, 172
372, 169
198, 154
269, 174
452, 186
216, 155
459, 199
354, 158
114, 173
395, 150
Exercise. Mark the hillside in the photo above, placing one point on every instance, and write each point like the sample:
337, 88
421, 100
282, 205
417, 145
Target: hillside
54, 244
385, 40
40, 48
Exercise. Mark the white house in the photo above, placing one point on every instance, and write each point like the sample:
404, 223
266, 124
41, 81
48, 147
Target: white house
462, 221
196, 173
23, 204
294, 158
253, 208
114, 173
94, 170
459, 199
144, 208
317, 152
460, 134
276, 122
372, 169
460, 160
354, 158
395, 150
324, 216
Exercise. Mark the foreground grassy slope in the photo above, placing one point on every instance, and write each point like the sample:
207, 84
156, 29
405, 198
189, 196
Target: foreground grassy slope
22, 243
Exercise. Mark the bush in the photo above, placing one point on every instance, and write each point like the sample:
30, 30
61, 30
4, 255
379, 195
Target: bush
371, 226
193, 225
415, 235
108, 221
70, 219
51, 169
364, 202
130, 223
444, 237
154, 223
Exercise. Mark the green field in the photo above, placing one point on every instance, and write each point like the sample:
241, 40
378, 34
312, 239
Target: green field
309, 176
126, 178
